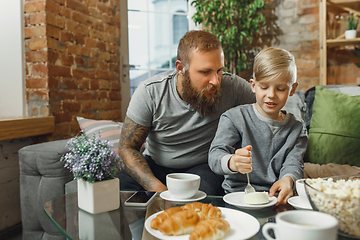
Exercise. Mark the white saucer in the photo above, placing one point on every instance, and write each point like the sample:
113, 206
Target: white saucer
198, 196
237, 199
297, 203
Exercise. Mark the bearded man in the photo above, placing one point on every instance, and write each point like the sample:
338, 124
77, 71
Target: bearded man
177, 113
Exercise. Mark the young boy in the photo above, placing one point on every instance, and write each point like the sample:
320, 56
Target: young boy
260, 136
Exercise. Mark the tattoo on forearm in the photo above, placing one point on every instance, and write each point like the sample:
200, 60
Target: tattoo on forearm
133, 134
132, 138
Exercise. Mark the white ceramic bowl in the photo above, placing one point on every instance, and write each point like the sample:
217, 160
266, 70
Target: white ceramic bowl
300, 189
182, 185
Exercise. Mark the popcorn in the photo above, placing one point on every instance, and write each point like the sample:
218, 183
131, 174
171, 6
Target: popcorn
340, 199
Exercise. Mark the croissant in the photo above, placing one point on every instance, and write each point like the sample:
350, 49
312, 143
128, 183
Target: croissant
160, 218
180, 223
210, 229
205, 210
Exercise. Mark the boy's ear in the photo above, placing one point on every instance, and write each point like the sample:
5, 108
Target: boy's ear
293, 89
252, 84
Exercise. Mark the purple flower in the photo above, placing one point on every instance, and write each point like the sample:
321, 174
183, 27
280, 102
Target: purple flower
91, 159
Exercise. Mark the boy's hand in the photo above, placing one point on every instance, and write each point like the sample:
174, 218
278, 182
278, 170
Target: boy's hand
284, 186
241, 160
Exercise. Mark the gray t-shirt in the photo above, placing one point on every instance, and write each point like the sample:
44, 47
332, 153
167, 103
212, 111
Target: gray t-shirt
179, 137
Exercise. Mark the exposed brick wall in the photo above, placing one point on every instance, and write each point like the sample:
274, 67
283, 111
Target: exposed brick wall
37, 92
299, 21
72, 61
298, 32
294, 25
72, 56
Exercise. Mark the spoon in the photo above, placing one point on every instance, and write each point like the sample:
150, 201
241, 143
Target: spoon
249, 188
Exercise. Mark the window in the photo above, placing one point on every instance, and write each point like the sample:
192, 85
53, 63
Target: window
150, 39
180, 26
12, 96
151, 27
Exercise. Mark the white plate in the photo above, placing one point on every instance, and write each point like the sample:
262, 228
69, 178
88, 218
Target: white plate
242, 226
297, 203
167, 196
237, 199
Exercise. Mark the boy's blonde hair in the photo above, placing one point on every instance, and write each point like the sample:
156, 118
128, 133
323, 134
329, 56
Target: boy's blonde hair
272, 62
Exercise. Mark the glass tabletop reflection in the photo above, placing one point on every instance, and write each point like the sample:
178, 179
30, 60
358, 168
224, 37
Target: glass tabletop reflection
127, 223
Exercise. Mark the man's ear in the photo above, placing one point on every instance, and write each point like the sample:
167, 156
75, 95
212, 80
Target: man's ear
180, 68
293, 89
252, 84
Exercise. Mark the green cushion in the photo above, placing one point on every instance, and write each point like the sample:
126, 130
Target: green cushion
334, 135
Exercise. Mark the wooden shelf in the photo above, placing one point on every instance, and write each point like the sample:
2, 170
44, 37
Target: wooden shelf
345, 1
26, 127
342, 42
324, 43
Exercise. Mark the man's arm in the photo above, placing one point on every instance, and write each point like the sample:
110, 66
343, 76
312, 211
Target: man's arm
132, 137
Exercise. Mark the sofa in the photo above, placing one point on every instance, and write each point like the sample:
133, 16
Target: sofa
43, 177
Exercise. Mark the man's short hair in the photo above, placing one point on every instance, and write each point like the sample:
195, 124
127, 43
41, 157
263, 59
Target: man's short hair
196, 40
271, 62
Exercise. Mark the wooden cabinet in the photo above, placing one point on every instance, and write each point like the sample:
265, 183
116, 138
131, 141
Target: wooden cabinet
324, 43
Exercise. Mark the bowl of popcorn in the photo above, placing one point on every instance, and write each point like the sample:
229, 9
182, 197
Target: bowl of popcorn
338, 196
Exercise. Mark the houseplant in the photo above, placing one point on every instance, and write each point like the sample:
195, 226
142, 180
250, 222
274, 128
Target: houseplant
94, 165
353, 21
234, 23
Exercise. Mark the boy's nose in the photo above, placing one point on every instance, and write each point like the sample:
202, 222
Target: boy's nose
271, 93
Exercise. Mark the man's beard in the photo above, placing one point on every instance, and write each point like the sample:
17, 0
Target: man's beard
197, 99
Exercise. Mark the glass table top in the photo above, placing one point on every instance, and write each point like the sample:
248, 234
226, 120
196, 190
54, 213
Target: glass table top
127, 223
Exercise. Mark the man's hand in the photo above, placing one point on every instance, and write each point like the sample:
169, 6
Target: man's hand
284, 186
132, 137
241, 160
157, 187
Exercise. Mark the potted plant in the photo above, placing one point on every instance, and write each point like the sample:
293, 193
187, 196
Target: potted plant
234, 23
353, 21
94, 164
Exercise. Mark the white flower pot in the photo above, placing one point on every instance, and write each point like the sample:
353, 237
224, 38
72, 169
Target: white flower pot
350, 34
98, 197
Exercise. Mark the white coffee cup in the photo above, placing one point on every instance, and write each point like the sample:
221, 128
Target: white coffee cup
182, 185
300, 189
302, 224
